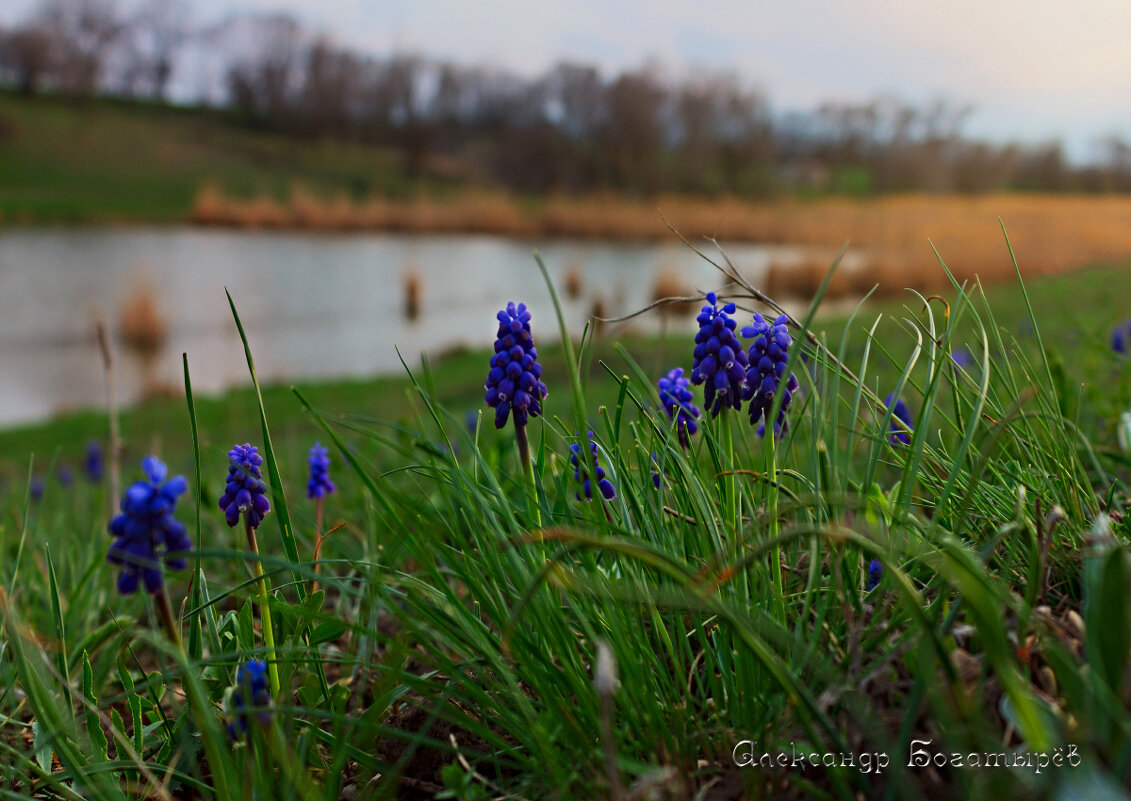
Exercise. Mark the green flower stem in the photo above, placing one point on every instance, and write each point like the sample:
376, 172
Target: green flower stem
772, 512
264, 611
165, 612
531, 486
319, 538
528, 471
730, 497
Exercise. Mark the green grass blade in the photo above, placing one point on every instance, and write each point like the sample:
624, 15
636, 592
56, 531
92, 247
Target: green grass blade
278, 495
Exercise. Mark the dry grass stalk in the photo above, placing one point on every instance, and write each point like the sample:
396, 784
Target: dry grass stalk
111, 411
572, 282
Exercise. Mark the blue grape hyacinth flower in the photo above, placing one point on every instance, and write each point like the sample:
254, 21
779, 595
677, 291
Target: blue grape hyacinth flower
319, 484
875, 573
657, 479
769, 357
146, 533
250, 691
36, 488
1121, 338
676, 397
245, 492
962, 359
581, 472
719, 362
898, 435
514, 383
93, 464
65, 474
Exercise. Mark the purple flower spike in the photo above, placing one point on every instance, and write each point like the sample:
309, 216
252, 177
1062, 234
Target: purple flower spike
898, 435
657, 479
875, 573
769, 357
245, 492
676, 396
93, 464
146, 533
962, 359
581, 472
1121, 338
319, 484
250, 691
719, 362
514, 382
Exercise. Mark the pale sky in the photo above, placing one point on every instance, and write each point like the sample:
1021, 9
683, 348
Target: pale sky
1033, 70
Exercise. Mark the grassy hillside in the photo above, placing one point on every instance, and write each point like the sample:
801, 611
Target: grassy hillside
107, 160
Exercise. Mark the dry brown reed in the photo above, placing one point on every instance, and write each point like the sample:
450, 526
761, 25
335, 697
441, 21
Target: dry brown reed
572, 281
412, 285
143, 332
1050, 233
598, 312
142, 328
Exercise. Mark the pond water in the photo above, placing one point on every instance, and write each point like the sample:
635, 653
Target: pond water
314, 306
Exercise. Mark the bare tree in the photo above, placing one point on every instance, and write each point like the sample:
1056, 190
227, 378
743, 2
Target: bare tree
575, 96
721, 133
450, 104
331, 92
571, 129
267, 76
154, 36
982, 167
25, 52
632, 134
398, 104
80, 34
396, 94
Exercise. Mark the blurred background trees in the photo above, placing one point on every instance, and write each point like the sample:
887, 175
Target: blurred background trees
569, 130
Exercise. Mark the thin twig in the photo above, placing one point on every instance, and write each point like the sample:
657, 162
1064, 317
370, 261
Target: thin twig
479, 777
680, 515
650, 306
319, 542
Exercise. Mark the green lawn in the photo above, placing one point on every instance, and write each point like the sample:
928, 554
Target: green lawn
105, 160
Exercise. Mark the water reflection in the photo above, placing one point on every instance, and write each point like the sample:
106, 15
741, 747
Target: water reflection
313, 305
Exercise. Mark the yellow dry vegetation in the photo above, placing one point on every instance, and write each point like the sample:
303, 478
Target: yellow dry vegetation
1050, 233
